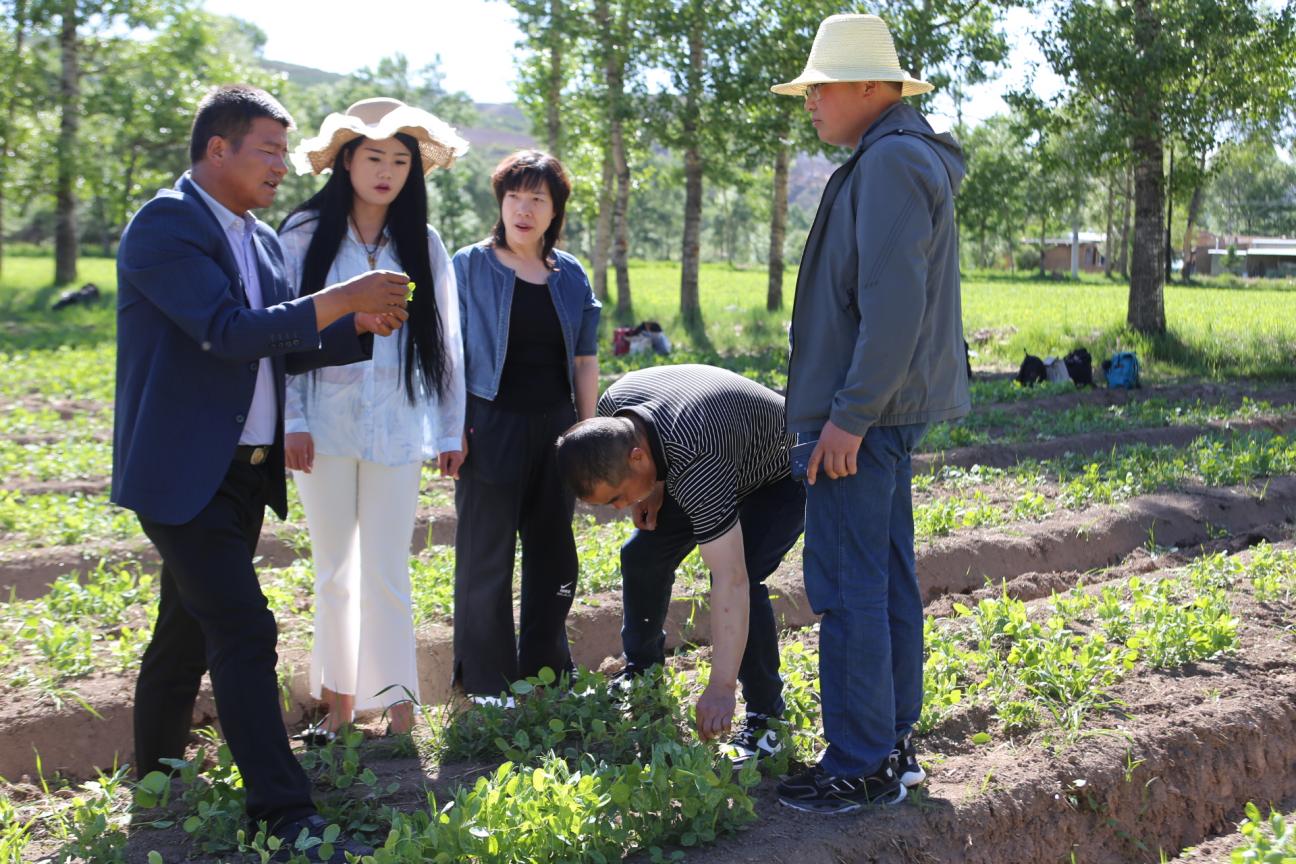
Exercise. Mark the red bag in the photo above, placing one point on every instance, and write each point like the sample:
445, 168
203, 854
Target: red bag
621, 341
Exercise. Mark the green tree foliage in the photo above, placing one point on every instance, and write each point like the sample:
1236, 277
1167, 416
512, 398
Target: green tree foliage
1170, 68
1253, 190
993, 202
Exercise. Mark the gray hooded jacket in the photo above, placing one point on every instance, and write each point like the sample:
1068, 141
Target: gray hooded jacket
877, 329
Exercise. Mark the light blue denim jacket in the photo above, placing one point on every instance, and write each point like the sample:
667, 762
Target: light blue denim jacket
486, 301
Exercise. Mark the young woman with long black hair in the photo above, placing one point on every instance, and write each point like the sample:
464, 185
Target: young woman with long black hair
356, 436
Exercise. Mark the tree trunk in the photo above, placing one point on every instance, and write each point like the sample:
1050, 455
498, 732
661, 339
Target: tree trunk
690, 308
1194, 210
778, 229
10, 109
553, 120
1147, 270
1109, 245
65, 230
603, 228
1169, 196
1128, 199
614, 73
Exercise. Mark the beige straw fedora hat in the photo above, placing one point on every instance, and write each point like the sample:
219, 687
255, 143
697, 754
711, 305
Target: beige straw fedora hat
380, 118
852, 48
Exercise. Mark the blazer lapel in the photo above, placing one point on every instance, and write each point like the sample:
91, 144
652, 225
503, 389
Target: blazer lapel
224, 254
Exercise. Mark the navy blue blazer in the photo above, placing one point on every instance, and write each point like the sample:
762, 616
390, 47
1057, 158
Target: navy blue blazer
188, 347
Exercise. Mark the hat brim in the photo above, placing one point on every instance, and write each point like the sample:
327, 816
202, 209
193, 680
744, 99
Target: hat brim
910, 86
439, 144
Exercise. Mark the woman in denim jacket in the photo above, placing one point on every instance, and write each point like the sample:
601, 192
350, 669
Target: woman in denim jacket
530, 324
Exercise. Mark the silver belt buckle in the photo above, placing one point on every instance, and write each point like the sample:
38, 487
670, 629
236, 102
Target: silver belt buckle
258, 455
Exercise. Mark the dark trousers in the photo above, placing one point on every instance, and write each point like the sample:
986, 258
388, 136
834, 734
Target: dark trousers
772, 519
509, 487
213, 617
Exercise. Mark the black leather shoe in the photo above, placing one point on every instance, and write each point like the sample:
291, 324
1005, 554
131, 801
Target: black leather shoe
314, 827
315, 735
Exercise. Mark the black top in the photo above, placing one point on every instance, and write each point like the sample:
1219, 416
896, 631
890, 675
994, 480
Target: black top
716, 437
534, 378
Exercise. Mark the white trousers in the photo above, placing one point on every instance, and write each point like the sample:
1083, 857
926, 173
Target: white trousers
361, 517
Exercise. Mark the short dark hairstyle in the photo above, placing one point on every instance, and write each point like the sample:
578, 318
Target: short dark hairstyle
596, 451
228, 111
530, 169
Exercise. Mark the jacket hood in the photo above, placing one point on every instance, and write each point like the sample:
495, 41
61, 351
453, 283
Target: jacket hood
903, 119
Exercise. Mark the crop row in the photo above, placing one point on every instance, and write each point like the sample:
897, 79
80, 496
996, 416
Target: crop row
1030, 490
988, 424
101, 621
953, 498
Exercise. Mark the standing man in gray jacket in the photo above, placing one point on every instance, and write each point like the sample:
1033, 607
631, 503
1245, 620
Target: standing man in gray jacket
877, 341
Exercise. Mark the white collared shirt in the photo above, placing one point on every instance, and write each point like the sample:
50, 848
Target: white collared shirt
361, 410
259, 428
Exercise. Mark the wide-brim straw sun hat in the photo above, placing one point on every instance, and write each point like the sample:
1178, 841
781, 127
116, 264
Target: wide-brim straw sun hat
852, 48
376, 119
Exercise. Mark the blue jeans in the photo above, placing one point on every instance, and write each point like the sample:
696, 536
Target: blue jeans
772, 519
859, 575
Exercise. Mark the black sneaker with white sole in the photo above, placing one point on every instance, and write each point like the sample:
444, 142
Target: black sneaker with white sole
816, 791
905, 755
754, 739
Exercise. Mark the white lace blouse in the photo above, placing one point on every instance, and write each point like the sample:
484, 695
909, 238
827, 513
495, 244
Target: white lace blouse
361, 410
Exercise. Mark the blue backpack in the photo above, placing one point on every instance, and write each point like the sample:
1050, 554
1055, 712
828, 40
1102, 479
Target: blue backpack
1122, 371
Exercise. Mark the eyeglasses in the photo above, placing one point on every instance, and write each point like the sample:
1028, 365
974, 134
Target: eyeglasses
812, 91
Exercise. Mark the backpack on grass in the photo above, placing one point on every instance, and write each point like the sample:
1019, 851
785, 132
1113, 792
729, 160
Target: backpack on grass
1079, 366
1122, 371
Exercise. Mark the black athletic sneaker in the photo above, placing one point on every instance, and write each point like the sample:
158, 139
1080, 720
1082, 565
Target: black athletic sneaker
315, 827
754, 739
905, 755
817, 791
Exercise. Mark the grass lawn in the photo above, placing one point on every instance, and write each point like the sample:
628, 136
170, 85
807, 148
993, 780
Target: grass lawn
1216, 331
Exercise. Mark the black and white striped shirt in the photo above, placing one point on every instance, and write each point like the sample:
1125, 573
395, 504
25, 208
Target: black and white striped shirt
716, 437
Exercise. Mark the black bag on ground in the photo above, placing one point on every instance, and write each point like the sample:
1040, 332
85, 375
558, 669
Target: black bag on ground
1032, 371
1079, 366
86, 295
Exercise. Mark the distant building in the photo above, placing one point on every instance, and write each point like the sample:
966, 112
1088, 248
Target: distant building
1252, 256
1057, 252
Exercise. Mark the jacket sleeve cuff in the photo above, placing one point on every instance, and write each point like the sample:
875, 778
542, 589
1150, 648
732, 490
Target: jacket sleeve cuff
848, 423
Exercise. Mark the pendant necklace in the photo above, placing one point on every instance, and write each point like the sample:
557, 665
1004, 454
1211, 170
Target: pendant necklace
370, 253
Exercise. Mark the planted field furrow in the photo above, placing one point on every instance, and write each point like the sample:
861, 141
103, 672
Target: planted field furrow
1090, 539
28, 572
1183, 684
1006, 455
1003, 394
1266, 833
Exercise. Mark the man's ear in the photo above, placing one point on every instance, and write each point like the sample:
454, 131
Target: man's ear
217, 147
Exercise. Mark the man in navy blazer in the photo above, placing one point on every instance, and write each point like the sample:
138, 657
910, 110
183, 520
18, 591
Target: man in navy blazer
206, 329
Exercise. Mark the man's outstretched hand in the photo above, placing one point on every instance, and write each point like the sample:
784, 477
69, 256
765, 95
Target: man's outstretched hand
715, 711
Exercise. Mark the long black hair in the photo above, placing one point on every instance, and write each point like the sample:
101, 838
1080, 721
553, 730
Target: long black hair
407, 225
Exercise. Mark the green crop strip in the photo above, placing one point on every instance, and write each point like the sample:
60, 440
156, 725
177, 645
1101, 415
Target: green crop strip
1032, 671
62, 520
70, 458
1076, 481
1012, 427
61, 373
1265, 841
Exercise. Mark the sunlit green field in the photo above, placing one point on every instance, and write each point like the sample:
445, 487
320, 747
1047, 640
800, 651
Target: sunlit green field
1215, 332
